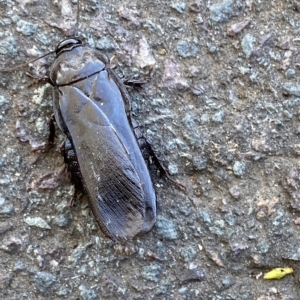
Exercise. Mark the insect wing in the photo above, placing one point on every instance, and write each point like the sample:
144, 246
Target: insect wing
114, 187
110, 95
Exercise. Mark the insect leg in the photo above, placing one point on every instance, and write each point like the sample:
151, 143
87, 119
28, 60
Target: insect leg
149, 153
51, 135
39, 79
71, 161
72, 165
138, 83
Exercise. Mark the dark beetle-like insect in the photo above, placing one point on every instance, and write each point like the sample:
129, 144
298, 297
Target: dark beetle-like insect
92, 107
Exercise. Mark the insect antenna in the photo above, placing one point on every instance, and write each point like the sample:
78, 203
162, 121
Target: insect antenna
77, 20
75, 34
25, 64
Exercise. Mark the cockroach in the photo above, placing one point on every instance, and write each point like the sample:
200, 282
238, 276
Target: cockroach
89, 107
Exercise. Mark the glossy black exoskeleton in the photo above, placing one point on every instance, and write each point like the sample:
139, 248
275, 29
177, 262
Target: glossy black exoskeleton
92, 107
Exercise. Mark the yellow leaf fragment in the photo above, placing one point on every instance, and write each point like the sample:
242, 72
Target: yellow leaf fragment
278, 273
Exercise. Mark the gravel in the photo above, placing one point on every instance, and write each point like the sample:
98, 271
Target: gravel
222, 110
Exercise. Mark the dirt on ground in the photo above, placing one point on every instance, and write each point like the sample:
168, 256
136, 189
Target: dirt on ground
221, 106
